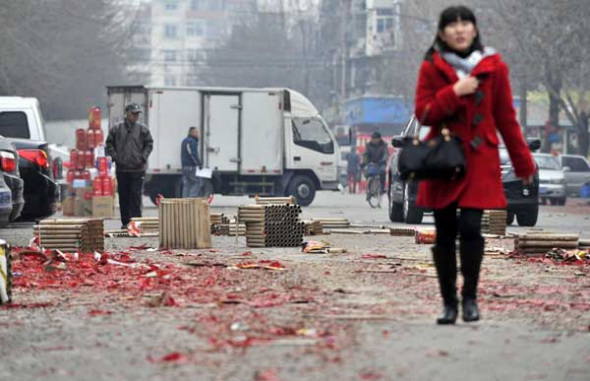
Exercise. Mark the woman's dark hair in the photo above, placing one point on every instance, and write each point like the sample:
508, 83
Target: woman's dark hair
448, 16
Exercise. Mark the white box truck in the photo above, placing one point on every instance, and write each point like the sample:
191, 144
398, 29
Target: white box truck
267, 142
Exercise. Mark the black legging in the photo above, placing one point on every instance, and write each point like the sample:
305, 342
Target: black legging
468, 225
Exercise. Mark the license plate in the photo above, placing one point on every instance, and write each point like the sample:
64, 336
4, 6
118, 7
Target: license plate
542, 190
5, 198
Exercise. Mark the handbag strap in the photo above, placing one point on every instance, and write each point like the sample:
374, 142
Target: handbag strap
445, 132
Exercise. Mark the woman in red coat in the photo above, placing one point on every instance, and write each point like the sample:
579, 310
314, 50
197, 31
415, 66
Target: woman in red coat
465, 87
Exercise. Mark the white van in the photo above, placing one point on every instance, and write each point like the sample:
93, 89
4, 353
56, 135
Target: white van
21, 118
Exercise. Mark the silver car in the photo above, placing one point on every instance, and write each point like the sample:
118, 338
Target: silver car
577, 173
551, 179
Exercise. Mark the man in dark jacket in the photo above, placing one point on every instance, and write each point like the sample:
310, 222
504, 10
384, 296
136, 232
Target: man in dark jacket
376, 153
129, 144
189, 157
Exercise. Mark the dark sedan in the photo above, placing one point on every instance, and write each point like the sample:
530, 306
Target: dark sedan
523, 203
41, 192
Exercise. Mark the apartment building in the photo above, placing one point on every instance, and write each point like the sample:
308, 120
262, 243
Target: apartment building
180, 32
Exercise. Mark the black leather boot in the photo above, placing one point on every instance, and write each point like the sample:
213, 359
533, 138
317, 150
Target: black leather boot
471, 258
470, 310
446, 268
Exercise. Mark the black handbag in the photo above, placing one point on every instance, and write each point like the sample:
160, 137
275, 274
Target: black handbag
441, 158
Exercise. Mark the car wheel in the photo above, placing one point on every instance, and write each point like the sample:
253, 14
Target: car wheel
396, 212
509, 218
303, 189
528, 217
561, 201
543, 201
412, 215
178, 189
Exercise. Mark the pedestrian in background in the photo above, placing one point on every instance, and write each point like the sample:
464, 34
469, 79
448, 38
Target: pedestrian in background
129, 144
465, 87
354, 169
189, 157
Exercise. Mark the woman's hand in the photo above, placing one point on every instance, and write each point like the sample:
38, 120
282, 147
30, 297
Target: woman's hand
527, 180
466, 86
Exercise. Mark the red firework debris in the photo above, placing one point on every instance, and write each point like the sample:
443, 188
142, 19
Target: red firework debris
174, 357
99, 313
266, 375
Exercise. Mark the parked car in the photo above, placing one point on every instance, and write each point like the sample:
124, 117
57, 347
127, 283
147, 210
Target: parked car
21, 122
523, 203
9, 166
577, 173
551, 179
41, 192
5, 202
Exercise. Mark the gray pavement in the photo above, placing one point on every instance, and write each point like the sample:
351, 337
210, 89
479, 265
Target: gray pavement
379, 314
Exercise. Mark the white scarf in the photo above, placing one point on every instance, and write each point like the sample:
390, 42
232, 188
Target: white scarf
464, 66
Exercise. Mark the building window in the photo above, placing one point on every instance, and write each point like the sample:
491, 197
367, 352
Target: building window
170, 31
169, 55
195, 28
170, 80
384, 20
171, 6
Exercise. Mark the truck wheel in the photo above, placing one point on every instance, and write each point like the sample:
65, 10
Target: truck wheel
509, 218
528, 217
396, 212
303, 189
178, 189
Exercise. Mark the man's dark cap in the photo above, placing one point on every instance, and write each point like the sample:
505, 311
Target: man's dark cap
133, 107
376, 135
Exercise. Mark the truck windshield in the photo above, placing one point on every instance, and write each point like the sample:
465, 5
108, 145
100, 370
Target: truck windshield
311, 133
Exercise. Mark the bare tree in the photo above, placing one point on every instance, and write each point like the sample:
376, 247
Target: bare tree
554, 44
279, 47
62, 52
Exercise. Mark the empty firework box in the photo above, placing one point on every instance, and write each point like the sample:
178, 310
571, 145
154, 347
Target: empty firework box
85, 235
184, 223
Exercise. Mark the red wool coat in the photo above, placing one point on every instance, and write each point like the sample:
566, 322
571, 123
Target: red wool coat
469, 117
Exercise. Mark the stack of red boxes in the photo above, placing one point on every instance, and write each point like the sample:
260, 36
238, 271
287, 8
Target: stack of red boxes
88, 175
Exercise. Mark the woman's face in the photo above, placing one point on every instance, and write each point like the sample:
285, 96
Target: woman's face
459, 35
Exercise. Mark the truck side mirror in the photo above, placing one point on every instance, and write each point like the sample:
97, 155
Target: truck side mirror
567, 169
534, 144
397, 141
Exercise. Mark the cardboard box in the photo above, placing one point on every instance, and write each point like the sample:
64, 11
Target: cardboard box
103, 207
68, 206
84, 193
83, 208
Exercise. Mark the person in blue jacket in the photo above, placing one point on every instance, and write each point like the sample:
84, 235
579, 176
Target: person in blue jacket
189, 156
